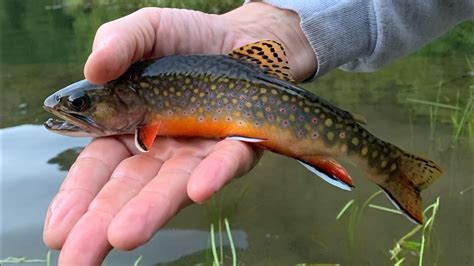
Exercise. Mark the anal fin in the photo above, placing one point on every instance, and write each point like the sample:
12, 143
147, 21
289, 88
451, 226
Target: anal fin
329, 170
245, 139
145, 136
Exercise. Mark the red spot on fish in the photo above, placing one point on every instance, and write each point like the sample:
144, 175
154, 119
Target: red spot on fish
342, 135
314, 120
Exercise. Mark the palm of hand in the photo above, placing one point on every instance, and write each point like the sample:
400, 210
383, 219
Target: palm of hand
115, 196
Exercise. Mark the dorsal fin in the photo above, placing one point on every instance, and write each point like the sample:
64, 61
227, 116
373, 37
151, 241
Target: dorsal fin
269, 55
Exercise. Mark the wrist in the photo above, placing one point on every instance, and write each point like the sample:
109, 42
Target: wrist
257, 21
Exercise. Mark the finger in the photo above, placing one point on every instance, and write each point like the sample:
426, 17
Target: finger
87, 243
86, 177
228, 159
121, 42
76, 251
158, 201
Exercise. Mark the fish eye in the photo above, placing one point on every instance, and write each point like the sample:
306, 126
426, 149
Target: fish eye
79, 101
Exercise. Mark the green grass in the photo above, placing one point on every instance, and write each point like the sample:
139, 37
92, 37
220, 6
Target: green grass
461, 116
219, 259
406, 243
25, 260
355, 213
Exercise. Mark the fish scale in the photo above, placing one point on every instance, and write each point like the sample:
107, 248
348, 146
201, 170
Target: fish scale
247, 95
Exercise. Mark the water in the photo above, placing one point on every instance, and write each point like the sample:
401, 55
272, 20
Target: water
280, 213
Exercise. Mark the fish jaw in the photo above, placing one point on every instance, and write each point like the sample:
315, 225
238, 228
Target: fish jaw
73, 125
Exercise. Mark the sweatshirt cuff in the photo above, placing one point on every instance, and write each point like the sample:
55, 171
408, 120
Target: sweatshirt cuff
338, 31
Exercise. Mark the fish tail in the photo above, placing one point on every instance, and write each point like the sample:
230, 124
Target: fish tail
404, 178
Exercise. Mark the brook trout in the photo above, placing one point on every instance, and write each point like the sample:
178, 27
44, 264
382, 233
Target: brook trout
248, 95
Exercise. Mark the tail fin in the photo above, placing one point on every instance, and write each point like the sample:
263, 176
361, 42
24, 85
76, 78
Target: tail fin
403, 186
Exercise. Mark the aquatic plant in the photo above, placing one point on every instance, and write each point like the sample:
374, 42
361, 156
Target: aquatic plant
406, 243
25, 260
219, 259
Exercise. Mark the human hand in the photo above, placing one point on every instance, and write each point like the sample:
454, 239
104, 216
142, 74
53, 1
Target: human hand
114, 196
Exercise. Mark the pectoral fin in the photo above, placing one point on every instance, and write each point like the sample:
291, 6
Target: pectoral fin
145, 136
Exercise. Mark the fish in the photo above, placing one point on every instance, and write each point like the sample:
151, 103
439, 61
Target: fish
247, 95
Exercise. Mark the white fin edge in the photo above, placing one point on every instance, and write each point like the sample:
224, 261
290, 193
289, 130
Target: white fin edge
399, 208
325, 177
137, 144
245, 139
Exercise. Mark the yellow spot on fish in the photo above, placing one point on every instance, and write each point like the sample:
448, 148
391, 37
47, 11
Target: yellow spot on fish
201, 94
375, 154
383, 164
393, 167
317, 111
344, 148
274, 92
259, 114
178, 93
300, 103
225, 101
364, 151
200, 110
264, 99
231, 85
255, 97
285, 98
355, 141
193, 99
268, 109
328, 122
165, 93
144, 84
330, 135
263, 90
213, 103
293, 99
156, 90
172, 89
213, 87
292, 117
234, 101
248, 104
307, 127
236, 114
306, 109
196, 91
187, 81
167, 103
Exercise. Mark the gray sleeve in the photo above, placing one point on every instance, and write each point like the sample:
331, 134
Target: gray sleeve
363, 35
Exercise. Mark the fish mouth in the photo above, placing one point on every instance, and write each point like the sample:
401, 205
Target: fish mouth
71, 124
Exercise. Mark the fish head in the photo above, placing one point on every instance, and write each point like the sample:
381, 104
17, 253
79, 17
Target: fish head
86, 109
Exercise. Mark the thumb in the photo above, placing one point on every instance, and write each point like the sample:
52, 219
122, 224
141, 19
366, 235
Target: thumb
120, 43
